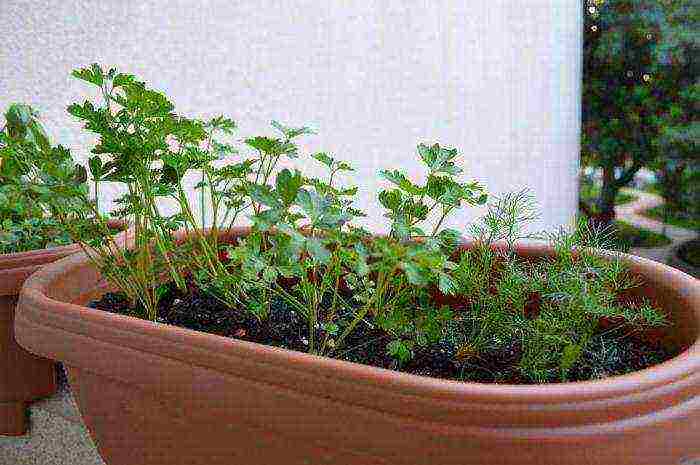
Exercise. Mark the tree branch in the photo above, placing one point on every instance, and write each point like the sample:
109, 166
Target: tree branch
628, 175
585, 208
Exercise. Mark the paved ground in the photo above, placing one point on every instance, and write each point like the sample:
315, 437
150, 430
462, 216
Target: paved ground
632, 213
56, 436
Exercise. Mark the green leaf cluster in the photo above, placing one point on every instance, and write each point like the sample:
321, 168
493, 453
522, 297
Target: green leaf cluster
27, 162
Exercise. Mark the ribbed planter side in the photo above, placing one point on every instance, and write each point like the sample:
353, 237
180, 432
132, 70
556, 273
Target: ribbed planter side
155, 394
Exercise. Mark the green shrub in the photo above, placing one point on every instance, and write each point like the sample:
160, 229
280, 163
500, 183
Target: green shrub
628, 235
682, 220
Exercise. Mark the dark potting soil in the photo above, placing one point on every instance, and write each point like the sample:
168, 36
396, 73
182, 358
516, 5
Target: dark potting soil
606, 355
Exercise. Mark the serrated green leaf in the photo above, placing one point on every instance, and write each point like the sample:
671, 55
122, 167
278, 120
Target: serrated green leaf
439, 159
450, 238
291, 132
446, 285
313, 204
427, 155
570, 356
317, 250
399, 350
84, 111
287, 185
264, 144
323, 158
264, 195
223, 124
390, 199
93, 74
267, 219
414, 274
122, 80
401, 181
343, 166
330, 328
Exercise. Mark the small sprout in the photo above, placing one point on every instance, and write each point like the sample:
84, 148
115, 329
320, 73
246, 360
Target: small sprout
400, 350
465, 352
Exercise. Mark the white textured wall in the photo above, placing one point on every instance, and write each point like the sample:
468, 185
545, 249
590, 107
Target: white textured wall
497, 78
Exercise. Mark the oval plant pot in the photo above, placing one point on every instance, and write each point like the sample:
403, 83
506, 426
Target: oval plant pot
157, 394
24, 377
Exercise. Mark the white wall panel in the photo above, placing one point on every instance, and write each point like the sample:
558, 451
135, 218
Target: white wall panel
497, 78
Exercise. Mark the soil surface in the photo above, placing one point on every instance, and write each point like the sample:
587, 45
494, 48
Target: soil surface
605, 355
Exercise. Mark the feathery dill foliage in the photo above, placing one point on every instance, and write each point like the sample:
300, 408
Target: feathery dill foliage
553, 306
305, 250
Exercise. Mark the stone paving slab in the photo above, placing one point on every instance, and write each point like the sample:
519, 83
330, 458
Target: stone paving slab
56, 435
632, 213
53, 440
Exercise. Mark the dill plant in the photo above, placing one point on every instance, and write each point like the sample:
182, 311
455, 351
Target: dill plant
574, 288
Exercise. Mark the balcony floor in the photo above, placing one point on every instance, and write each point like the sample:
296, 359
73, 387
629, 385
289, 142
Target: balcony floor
56, 435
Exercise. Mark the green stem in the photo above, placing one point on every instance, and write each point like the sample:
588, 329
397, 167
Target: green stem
366, 308
445, 212
201, 198
97, 195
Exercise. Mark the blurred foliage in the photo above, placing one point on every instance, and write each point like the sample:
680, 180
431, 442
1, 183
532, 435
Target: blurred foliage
628, 236
590, 191
24, 225
682, 219
690, 253
640, 94
679, 185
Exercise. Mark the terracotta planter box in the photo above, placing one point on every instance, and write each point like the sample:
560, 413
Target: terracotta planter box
24, 377
157, 394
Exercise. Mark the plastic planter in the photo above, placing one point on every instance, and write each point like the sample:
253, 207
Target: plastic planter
157, 394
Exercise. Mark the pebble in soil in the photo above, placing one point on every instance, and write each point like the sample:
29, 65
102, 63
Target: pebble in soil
193, 309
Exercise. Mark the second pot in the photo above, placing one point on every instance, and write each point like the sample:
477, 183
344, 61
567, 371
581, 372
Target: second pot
24, 377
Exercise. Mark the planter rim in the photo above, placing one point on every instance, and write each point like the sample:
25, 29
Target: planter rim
40, 309
17, 266
35, 252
